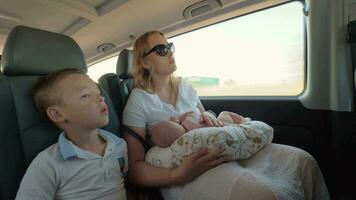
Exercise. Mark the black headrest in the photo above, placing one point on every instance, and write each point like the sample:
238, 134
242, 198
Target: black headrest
124, 66
30, 51
351, 32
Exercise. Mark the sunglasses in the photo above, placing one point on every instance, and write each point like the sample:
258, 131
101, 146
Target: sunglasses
161, 49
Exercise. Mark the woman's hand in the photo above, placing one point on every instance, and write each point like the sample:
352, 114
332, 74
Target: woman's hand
210, 120
197, 163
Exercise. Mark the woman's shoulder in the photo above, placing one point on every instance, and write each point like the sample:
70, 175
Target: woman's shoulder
139, 92
138, 95
184, 85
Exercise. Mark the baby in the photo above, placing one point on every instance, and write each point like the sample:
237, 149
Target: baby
180, 136
177, 126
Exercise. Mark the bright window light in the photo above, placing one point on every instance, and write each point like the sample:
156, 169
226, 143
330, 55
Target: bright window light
259, 54
107, 66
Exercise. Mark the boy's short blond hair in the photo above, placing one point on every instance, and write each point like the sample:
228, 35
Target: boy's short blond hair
44, 90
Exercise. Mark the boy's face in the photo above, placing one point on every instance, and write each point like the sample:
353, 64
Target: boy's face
81, 103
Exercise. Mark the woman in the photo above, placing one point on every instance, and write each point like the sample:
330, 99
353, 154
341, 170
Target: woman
154, 82
159, 95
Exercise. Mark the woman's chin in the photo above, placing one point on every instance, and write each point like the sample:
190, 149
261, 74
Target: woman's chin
174, 67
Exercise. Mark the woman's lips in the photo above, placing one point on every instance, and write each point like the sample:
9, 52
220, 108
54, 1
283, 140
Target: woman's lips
105, 110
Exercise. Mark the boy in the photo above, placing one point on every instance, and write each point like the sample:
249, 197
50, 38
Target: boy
87, 162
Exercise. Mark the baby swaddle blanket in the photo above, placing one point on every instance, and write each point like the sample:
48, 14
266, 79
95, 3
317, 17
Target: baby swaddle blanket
274, 172
241, 141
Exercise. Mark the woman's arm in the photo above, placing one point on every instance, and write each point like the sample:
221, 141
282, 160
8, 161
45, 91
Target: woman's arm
143, 174
140, 172
201, 108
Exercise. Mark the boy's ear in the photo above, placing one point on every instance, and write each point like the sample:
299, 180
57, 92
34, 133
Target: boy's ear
55, 114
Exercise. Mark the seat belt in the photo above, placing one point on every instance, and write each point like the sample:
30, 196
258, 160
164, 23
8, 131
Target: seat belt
138, 137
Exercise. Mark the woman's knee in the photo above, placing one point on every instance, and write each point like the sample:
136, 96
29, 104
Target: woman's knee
250, 187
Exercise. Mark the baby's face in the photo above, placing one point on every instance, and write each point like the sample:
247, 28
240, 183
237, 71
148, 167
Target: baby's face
82, 103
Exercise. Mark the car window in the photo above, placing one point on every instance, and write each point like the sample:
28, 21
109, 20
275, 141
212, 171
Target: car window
259, 54
107, 66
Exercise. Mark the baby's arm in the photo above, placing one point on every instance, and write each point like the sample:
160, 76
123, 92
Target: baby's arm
182, 117
165, 132
232, 118
191, 122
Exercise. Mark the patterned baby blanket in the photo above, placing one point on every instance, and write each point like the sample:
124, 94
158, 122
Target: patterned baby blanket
262, 171
241, 141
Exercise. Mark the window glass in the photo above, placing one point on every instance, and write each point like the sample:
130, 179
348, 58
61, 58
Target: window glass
107, 66
259, 54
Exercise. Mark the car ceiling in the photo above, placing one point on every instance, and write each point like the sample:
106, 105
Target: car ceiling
94, 22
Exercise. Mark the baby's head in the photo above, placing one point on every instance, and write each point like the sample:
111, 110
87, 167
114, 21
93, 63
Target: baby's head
71, 100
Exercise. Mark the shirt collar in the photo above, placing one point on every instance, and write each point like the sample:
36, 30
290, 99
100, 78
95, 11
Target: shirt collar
109, 136
67, 148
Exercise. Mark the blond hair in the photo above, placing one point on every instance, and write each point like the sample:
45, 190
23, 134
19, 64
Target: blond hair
142, 76
44, 91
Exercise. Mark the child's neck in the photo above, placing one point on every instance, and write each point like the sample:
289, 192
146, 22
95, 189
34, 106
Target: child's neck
88, 140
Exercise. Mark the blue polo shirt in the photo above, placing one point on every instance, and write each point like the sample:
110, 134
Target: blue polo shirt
64, 171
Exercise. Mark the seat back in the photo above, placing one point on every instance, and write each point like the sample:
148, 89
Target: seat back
28, 54
351, 38
119, 85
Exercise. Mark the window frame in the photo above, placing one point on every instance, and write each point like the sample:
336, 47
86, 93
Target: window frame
269, 97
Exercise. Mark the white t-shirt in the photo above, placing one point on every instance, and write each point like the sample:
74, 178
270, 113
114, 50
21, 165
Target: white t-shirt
144, 109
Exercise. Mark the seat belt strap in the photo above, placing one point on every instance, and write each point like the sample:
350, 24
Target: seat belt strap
138, 137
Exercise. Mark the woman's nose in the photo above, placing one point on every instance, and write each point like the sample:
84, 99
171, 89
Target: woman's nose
101, 98
170, 53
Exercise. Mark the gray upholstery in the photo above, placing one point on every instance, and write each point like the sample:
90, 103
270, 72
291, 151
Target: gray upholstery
29, 51
124, 70
119, 85
110, 83
351, 38
23, 132
11, 153
351, 32
124, 66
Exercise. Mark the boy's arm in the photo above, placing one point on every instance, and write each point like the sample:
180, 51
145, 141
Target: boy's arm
39, 180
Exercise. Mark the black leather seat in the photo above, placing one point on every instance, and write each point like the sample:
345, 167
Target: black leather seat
351, 38
119, 85
28, 54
